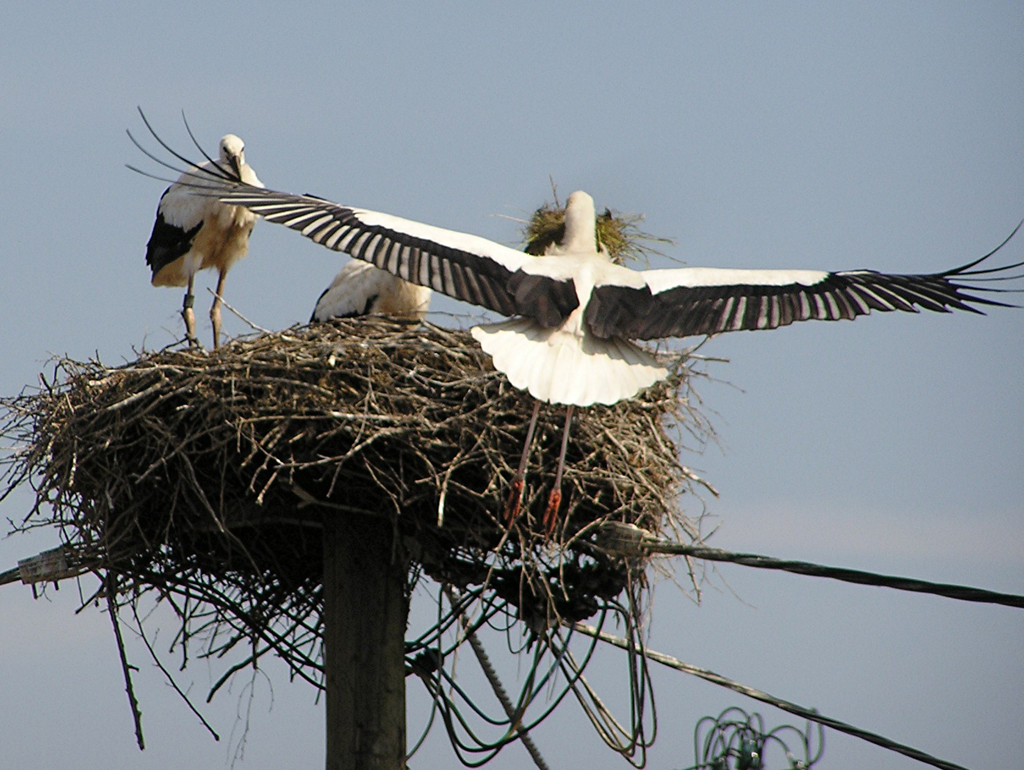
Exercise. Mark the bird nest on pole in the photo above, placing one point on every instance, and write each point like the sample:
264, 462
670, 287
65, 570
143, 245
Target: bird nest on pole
203, 478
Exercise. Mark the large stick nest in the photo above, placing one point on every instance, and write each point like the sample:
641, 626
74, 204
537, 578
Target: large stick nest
208, 474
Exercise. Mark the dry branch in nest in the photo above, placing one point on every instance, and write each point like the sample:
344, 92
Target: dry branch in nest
204, 476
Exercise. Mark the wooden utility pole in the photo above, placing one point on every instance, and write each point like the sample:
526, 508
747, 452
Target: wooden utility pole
365, 611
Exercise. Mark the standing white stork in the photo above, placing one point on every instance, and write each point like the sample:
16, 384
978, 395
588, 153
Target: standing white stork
362, 289
575, 312
194, 231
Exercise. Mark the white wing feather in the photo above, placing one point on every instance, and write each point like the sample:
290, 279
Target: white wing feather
556, 366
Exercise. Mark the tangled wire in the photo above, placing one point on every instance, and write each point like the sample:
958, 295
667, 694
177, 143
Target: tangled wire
736, 739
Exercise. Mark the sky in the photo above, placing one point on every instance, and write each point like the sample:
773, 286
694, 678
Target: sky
801, 135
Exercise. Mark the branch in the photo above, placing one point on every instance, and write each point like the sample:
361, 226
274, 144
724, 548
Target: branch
111, 591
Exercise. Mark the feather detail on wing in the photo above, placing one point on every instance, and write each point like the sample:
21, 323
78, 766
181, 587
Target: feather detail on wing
466, 267
690, 301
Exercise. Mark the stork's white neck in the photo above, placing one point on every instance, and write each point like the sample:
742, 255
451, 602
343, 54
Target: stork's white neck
580, 221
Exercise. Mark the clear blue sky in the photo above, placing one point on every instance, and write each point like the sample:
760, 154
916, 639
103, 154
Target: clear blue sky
791, 135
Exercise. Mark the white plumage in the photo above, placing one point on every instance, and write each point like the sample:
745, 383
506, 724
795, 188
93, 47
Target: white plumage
362, 289
566, 364
574, 312
195, 231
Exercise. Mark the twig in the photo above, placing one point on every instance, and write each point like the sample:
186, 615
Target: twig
111, 590
167, 675
253, 325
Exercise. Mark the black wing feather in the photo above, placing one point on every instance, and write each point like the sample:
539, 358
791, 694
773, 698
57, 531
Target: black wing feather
457, 273
684, 311
168, 242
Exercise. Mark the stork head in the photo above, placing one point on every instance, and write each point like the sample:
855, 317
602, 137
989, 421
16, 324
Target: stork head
580, 222
232, 153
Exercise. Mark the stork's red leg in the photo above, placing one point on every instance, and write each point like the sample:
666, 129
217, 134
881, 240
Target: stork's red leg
555, 498
516, 495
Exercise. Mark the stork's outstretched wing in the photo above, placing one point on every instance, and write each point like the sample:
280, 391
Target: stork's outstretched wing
690, 301
466, 267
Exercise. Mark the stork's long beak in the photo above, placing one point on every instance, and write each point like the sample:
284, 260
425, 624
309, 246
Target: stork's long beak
236, 164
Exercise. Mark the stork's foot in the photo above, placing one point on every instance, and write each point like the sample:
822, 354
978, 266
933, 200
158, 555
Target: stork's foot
551, 512
515, 498
555, 498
